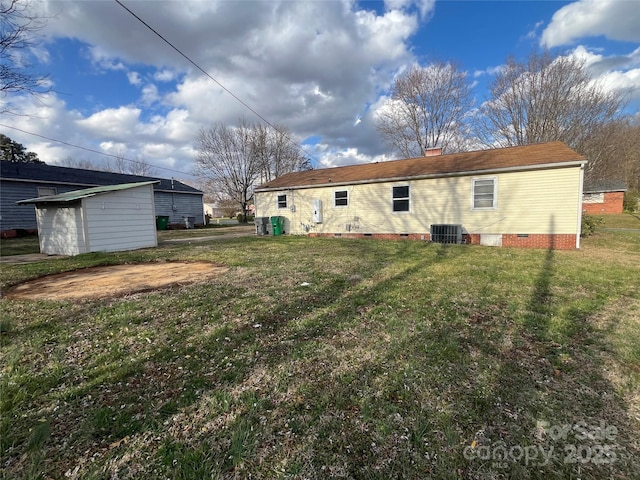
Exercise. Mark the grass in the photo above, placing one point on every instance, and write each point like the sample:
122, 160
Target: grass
333, 358
623, 220
19, 245
29, 243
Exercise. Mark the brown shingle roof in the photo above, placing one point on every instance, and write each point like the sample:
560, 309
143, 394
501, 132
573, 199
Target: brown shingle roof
527, 156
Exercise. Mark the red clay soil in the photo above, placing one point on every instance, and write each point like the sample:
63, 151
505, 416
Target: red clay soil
113, 281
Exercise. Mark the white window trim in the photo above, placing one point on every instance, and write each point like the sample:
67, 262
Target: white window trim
495, 193
334, 198
286, 200
401, 212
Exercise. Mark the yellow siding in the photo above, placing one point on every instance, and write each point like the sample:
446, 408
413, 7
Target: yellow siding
531, 202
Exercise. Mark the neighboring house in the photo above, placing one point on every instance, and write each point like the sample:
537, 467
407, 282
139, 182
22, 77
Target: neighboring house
603, 197
527, 196
20, 181
99, 219
216, 211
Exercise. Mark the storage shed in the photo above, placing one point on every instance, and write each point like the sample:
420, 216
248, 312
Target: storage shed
604, 197
19, 181
100, 219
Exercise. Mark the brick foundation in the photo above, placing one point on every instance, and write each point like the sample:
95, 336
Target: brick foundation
377, 236
19, 232
544, 241
555, 242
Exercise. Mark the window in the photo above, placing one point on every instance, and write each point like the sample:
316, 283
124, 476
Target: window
46, 191
593, 198
400, 198
282, 201
341, 198
484, 193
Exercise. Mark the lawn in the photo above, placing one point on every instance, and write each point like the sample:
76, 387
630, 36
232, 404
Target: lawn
622, 220
29, 243
333, 358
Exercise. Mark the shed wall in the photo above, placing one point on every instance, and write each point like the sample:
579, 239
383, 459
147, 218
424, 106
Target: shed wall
122, 220
60, 230
530, 202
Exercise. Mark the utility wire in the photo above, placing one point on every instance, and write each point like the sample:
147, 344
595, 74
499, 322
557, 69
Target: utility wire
247, 106
89, 149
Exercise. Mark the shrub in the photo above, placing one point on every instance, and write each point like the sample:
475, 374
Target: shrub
589, 224
248, 219
631, 199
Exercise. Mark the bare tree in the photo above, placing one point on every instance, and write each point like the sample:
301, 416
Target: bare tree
277, 153
117, 164
226, 156
121, 164
18, 32
428, 108
81, 163
613, 152
543, 99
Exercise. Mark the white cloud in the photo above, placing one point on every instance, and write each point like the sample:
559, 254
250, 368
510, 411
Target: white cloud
150, 94
425, 7
104, 59
113, 122
164, 76
310, 66
113, 148
488, 71
134, 78
615, 19
619, 73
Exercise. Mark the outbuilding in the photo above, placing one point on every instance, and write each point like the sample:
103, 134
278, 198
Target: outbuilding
604, 197
19, 181
99, 219
525, 196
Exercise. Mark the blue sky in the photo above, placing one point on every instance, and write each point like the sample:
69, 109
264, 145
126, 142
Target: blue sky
322, 69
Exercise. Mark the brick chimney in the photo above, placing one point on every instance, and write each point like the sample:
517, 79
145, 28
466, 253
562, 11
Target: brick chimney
433, 152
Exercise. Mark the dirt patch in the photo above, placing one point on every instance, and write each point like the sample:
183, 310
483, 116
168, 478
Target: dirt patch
113, 280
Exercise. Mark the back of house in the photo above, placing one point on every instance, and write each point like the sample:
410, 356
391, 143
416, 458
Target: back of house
525, 196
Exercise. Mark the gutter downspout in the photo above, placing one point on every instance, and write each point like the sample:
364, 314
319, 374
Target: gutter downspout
580, 193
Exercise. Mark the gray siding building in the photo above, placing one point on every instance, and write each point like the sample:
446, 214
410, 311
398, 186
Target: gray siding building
21, 181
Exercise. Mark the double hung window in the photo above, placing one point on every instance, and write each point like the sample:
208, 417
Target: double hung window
341, 198
400, 198
484, 193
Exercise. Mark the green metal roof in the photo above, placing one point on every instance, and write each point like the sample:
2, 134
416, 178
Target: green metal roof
87, 192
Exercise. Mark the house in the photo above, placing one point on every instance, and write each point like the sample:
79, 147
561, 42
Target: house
99, 219
603, 197
20, 181
525, 196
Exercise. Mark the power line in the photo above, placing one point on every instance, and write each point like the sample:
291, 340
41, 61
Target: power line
89, 149
192, 62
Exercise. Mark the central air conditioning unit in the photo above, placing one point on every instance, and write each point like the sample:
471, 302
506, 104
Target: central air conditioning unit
446, 234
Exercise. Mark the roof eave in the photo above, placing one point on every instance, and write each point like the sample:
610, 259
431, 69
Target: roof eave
576, 163
69, 198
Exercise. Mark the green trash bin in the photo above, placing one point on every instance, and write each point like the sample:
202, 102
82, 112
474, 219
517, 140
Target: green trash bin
277, 225
161, 222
